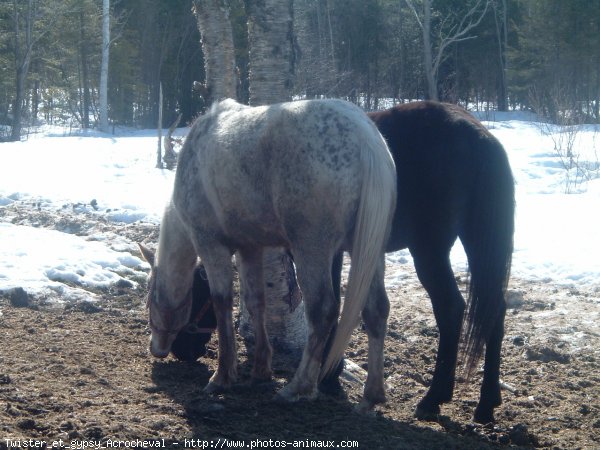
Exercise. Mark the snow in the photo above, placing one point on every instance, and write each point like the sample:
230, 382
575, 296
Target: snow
49, 262
115, 171
113, 178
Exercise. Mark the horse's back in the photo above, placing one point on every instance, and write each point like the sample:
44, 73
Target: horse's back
438, 149
276, 168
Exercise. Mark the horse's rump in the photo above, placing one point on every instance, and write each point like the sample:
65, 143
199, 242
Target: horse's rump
286, 166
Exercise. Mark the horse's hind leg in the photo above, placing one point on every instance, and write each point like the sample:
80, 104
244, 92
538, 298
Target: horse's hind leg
490, 388
331, 383
217, 262
487, 282
253, 295
435, 273
314, 277
375, 315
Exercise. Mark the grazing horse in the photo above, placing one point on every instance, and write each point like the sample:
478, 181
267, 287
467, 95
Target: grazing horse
315, 177
454, 180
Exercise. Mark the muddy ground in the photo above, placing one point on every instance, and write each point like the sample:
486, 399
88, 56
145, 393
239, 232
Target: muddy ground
82, 372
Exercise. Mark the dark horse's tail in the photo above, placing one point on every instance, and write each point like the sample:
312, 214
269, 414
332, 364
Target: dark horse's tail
487, 237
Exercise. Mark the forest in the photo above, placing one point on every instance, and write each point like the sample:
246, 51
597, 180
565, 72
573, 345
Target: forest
539, 55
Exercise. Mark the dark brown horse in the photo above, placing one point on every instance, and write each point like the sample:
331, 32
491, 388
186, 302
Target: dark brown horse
454, 180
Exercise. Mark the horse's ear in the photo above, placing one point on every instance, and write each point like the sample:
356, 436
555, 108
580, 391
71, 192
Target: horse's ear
147, 253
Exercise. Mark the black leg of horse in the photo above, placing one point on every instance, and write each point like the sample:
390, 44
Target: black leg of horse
331, 383
490, 388
435, 273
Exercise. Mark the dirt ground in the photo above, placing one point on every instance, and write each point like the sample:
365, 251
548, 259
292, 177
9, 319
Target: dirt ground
81, 372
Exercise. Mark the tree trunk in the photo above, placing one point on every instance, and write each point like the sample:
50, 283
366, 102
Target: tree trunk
104, 66
22, 58
284, 310
159, 164
85, 79
445, 36
18, 105
272, 58
500, 19
170, 157
217, 46
430, 72
271, 40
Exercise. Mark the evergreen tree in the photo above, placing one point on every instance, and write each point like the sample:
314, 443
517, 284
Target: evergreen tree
555, 64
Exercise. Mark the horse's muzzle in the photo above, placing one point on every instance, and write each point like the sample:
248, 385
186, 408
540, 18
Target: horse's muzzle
160, 344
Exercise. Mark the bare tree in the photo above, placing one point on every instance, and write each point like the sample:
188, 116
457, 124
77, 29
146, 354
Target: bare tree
85, 79
272, 68
29, 29
316, 71
272, 64
500, 9
218, 49
450, 31
104, 66
272, 55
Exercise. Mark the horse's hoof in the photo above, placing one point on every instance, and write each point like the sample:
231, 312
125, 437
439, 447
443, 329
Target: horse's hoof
284, 397
428, 413
286, 394
374, 398
364, 408
483, 415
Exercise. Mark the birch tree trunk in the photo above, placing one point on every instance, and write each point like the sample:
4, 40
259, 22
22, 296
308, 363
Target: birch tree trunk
284, 308
217, 45
272, 58
104, 66
271, 40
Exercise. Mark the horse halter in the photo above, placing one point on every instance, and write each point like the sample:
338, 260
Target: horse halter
192, 327
166, 311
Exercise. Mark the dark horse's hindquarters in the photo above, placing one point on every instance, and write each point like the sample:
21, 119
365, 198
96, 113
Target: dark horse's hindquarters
454, 180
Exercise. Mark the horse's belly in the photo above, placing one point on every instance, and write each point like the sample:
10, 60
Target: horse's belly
265, 232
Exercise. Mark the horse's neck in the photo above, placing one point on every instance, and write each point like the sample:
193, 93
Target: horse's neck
176, 256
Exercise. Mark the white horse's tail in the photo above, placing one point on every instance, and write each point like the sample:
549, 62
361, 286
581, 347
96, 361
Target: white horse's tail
371, 232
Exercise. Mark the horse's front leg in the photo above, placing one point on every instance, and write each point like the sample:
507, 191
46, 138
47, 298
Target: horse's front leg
220, 278
250, 266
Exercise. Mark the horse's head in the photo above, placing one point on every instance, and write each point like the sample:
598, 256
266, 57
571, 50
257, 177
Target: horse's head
169, 304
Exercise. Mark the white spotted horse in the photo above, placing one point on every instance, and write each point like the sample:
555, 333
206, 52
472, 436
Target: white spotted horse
312, 176
454, 180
